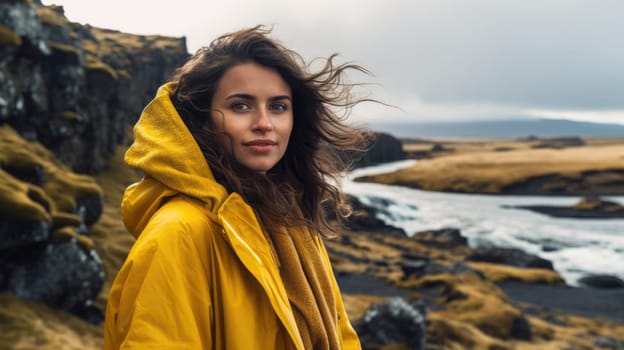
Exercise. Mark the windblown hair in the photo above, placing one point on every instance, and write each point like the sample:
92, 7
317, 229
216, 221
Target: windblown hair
296, 191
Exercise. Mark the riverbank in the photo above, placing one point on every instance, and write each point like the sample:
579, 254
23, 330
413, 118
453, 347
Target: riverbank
473, 305
568, 166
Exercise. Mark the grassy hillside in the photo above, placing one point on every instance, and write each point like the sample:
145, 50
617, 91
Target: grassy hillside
495, 167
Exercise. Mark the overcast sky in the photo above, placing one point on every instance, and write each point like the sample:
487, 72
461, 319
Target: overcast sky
437, 60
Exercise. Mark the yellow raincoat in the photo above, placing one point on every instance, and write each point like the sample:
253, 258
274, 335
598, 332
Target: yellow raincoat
201, 274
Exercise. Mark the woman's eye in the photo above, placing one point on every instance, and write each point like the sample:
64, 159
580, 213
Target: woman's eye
279, 107
240, 106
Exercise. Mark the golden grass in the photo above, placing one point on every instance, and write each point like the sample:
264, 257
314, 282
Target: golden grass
480, 169
112, 41
31, 325
469, 299
16, 200
97, 65
595, 203
357, 304
461, 335
60, 220
500, 273
65, 48
49, 16
111, 238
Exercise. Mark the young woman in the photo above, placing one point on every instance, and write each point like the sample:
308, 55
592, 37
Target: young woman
238, 152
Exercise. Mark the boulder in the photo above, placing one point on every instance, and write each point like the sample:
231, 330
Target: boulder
509, 256
394, 321
445, 238
16, 233
61, 274
365, 218
602, 281
384, 148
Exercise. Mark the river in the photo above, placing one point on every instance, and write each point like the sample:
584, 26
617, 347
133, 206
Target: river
577, 247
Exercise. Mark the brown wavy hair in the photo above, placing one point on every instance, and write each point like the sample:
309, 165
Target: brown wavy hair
296, 191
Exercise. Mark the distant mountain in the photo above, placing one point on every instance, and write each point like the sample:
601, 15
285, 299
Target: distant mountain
501, 129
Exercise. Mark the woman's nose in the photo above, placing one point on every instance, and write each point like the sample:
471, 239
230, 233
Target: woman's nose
262, 121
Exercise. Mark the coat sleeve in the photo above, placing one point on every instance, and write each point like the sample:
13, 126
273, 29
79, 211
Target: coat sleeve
161, 298
348, 337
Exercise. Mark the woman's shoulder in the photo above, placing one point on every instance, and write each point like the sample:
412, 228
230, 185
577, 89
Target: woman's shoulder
178, 218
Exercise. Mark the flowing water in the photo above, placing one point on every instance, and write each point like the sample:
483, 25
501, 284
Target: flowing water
577, 247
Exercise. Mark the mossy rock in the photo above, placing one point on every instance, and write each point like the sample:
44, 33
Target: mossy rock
60, 220
50, 16
69, 115
64, 48
69, 233
61, 187
94, 64
9, 37
23, 201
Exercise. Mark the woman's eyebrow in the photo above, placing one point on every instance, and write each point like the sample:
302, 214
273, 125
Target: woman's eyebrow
281, 97
252, 97
242, 96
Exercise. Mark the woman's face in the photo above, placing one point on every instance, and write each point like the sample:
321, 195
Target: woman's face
252, 110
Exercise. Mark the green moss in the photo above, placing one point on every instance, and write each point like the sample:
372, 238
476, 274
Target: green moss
9, 37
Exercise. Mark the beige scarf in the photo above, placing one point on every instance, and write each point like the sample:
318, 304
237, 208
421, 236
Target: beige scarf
308, 286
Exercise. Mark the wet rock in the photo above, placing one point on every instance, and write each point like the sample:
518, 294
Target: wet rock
384, 148
509, 256
90, 208
60, 274
413, 267
460, 268
521, 328
438, 147
16, 233
394, 321
560, 142
365, 218
445, 238
609, 343
602, 281
34, 174
590, 207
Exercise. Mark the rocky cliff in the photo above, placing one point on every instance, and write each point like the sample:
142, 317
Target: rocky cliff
382, 148
75, 88
68, 94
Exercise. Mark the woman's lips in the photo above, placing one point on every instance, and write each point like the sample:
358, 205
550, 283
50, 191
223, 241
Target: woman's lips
261, 146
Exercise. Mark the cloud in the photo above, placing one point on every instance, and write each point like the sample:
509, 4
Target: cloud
429, 57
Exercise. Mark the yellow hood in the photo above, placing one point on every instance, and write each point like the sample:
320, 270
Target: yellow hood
172, 162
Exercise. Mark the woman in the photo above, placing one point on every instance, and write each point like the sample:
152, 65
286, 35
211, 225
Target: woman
237, 156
